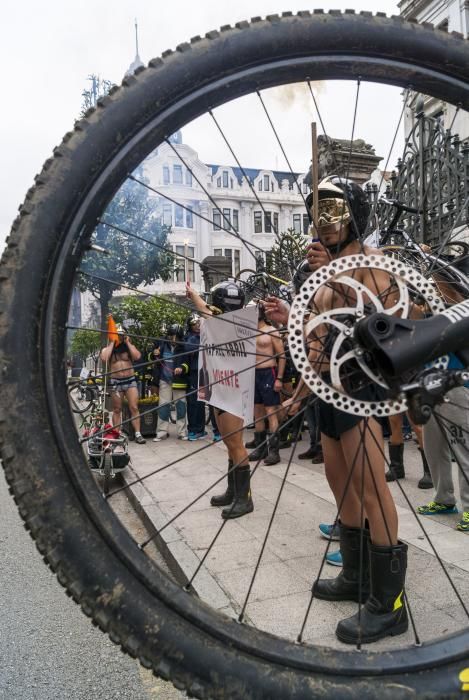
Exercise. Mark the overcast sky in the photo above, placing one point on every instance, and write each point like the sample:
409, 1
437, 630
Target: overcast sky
49, 48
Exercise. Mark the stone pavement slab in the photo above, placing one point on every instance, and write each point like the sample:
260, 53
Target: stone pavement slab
279, 596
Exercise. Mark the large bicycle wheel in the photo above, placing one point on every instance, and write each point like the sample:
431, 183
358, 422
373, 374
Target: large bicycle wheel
80, 399
95, 558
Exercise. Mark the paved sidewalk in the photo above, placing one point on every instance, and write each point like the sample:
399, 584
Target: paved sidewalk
294, 551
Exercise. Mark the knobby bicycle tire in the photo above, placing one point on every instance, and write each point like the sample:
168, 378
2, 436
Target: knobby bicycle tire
76, 532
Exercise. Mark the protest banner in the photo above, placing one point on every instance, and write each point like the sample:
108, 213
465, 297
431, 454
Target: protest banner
227, 362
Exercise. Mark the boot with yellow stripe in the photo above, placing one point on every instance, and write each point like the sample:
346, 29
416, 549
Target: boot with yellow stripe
384, 613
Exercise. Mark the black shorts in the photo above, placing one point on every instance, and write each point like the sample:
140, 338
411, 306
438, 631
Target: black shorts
264, 392
333, 422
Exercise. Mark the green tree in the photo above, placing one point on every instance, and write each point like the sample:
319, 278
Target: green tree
86, 343
286, 254
127, 260
146, 317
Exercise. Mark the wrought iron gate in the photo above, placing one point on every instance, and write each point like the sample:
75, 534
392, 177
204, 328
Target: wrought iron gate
433, 177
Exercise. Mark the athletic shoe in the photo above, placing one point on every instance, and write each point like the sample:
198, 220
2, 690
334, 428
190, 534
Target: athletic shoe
463, 524
197, 436
434, 508
318, 458
329, 532
216, 437
191, 435
334, 558
183, 437
160, 435
140, 440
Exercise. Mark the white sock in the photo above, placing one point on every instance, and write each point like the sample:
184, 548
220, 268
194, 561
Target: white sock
138, 433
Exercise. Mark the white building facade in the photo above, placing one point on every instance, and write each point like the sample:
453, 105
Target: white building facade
211, 207
449, 16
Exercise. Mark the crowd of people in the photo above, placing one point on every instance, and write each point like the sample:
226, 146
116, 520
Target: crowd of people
372, 557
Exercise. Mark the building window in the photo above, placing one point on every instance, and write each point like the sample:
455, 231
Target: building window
178, 215
257, 222
305, 188
227, 219
266, 183
275, 222
233, 255
235, 220
165, 175
218, 181
305, 224
177, 174
231, 183
268, 222
167, 214
188, 178
259, 185
297, 223
189, 218
184, 266
236, 262
216, 220
225, 178
272, 186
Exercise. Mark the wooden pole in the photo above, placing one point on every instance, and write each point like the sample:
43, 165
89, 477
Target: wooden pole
314, 175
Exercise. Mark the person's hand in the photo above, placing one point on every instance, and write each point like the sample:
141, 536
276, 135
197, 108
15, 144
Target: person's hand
276, 309
292, 406
189, 291
178, 371
317, 256
278, 385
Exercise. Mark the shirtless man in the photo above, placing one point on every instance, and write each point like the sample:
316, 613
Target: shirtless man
270, 367
352, 445
123, 381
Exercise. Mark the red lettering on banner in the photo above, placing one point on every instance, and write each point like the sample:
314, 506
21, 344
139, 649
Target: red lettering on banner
226, 377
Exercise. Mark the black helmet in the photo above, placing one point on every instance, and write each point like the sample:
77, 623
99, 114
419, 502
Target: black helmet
300, 276
227, 296
176, 329
339, 187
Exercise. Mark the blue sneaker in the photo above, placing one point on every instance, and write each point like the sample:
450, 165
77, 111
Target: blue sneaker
329, 532
334, 558
216, 437
190, 435
197, 436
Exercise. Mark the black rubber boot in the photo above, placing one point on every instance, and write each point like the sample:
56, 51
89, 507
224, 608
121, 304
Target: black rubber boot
396, 457
242, 503
273, 456
384, 613
285, 436
261, 447
426, 482
346, 585
252, 443
224, 499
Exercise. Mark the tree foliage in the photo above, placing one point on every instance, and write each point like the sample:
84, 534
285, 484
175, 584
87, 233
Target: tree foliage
128, 261
86, 343
286, 254
146, 317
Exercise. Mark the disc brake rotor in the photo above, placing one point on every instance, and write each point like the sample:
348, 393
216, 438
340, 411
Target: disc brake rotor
337, 326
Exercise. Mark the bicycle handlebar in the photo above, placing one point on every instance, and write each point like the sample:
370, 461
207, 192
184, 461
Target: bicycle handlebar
399, 205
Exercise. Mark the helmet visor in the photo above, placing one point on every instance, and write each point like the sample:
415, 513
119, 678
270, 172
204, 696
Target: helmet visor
333, 210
